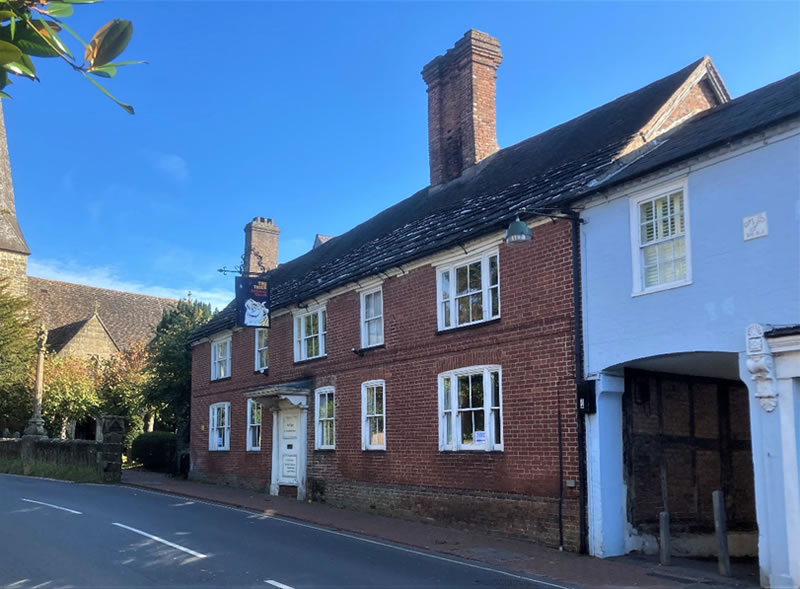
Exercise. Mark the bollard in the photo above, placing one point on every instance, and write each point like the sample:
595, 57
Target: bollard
664, 549
721, 527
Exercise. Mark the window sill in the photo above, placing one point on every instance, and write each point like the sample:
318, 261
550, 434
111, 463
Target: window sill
219, 449
474, 452
374, 451
224, 378
465, 327
264, 371
254, 450
314, 359
661, 288
325, 450
362, 351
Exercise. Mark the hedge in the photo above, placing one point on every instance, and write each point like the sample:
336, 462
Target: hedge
155, 450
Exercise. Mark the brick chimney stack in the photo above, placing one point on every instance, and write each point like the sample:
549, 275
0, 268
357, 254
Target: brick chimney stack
461, 105
260, 245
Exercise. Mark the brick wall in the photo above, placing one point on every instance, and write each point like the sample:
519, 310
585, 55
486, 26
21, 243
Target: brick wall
14, 268
532, 342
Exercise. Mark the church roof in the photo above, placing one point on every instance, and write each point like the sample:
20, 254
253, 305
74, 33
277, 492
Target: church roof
11, 238
65, 307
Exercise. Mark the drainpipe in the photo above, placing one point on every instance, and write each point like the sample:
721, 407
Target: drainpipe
577, 308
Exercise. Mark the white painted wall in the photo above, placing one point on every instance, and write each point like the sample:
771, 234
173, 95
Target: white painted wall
734, 282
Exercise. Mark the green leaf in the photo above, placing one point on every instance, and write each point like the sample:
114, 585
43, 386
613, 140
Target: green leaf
13, 26
9, 53
122, 63
6, 15
60, 9
51, 32
104, 71
81, 1
20, 69
109, 42
67, 28
128, 108
4, 95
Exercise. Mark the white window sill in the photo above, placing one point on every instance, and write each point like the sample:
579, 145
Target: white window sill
661, 288
325, 448
465, 325
370, 346
254, 449
310, 359
219, 449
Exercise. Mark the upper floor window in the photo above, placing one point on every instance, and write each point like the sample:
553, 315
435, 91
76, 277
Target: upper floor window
219, 426
470, 409
221, 358
371, 318
325, 433
660, 239
262, 349
253, 425
373, 408
468, 292
309, 334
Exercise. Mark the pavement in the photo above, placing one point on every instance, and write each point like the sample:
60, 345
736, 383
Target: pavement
554, 567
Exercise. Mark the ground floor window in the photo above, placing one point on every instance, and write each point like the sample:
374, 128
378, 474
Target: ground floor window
219, 428
373, 426
470, 409
253, 425
325, 436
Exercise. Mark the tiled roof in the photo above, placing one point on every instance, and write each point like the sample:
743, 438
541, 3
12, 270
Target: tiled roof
747, 114
65, 307
548, 169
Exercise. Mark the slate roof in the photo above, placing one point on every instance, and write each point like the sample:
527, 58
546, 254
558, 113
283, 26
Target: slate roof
551, 169
65, 307
782, 331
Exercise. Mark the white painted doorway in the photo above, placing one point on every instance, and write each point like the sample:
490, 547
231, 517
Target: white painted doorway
289, 432
288, 446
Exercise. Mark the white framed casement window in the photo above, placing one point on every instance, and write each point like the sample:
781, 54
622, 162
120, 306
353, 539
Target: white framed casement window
373, 415
468, 291
219, 426
310, 330
372, 318
262, 349
221, 358
471, 409
325, 426
253, 425
660, 239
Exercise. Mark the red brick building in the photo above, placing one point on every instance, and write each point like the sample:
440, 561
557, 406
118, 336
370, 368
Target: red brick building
417, 365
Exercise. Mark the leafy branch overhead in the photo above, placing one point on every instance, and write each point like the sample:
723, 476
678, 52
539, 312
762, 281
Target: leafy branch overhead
30, 29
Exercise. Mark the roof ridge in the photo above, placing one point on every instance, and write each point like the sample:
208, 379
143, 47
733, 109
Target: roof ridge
125, 292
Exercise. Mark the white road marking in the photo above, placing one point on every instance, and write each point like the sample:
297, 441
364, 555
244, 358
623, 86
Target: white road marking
157, 539
53, 506
278, 585
431, 555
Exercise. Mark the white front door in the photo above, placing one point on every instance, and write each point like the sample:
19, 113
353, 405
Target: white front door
290, 445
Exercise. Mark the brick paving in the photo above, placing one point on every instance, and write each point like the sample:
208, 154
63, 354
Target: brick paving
538, 561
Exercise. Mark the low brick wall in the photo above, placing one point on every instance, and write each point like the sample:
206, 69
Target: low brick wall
517, 516
102, 457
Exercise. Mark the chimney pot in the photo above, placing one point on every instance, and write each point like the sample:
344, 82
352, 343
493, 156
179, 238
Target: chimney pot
461, 105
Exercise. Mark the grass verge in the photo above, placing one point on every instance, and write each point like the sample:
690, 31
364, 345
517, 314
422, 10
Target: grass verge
78, 474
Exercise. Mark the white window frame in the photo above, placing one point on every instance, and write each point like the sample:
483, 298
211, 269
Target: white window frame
213, 427
300, 351
639, 287
217, 361
258, 350
319, 420
365, 343
489, 444
251, 403
485, 291
365, 437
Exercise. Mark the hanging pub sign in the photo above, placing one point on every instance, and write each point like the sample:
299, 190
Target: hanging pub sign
252, 302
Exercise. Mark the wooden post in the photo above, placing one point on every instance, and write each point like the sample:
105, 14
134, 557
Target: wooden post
665, 551
721, 526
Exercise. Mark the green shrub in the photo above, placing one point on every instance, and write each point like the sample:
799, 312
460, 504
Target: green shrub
155, 450
64, 472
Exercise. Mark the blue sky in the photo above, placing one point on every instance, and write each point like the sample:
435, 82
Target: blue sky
314, 114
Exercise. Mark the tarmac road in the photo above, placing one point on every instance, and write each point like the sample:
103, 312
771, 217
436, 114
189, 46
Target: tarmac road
56, 534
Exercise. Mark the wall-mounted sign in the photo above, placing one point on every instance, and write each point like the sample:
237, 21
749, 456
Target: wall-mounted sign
252, 302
